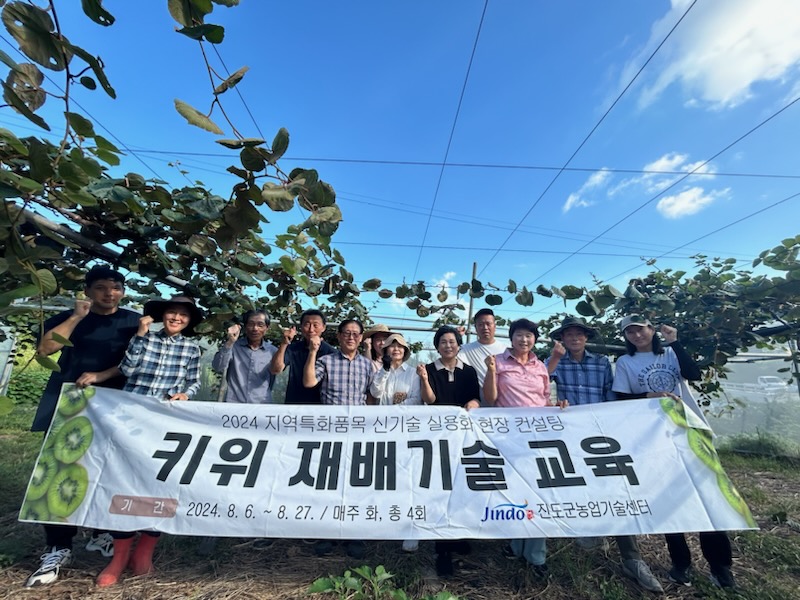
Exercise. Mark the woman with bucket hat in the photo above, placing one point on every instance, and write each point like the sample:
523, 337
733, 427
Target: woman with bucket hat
396, 383
165, 365
374, 340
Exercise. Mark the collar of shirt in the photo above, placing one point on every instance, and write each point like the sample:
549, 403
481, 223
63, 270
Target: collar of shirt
170, 338
243, 342
586, 354
439, 365
532, 358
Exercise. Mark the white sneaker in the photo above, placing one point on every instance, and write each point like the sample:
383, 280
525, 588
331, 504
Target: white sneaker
52, 562
410, 545
640, 572
102, 543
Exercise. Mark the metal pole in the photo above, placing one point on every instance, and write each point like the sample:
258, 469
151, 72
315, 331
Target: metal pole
471, 299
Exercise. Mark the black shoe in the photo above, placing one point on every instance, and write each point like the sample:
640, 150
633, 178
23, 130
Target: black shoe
444, 564
722, 577
323, 547
509, 553
540, 571
681, 575
356, 549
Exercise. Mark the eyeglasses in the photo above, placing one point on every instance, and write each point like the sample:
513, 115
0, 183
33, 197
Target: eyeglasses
350, 334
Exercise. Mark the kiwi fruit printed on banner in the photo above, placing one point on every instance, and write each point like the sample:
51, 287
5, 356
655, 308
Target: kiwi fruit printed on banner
59, 482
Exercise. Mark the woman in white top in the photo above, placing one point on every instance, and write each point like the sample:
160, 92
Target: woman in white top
395, 382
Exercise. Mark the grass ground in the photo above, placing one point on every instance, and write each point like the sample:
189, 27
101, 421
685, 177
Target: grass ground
766, 562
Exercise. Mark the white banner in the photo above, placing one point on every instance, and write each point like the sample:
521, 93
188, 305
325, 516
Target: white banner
119, 461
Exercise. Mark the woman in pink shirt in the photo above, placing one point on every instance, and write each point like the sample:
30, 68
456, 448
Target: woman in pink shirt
517, 378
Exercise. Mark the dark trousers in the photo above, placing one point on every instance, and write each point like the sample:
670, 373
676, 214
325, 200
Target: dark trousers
715, 545
59, 536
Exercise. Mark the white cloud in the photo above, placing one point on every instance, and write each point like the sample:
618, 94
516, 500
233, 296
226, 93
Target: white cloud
445, 279
596, 180
722, 48
672, 162
689, 202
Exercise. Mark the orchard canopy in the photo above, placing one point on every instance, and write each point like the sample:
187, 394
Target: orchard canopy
68, 204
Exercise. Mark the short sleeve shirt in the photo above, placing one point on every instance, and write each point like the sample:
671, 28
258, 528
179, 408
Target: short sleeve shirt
521, 384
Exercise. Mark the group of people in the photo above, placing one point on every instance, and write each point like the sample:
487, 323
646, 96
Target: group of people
114, 347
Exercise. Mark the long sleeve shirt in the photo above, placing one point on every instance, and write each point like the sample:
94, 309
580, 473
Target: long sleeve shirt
396, 386
249, 378
159, 365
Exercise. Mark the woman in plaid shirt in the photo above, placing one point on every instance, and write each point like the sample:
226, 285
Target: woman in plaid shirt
165, 365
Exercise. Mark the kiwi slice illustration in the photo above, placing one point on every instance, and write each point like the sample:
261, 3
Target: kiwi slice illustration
34, 511
43, 474
67, 491
675, 411
735, 499
55, 427
74, 400
73, 439
701, 442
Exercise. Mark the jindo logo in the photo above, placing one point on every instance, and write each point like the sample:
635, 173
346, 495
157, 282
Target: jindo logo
508, 512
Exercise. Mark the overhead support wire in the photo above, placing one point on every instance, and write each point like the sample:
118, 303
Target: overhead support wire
589, 135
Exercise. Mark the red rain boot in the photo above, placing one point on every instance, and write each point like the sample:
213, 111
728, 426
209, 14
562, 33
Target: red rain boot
110, 575
141, 562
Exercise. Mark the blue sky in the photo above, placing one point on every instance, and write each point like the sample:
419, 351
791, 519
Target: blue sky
379, 95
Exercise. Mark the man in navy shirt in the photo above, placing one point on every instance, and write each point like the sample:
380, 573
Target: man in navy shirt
99, 331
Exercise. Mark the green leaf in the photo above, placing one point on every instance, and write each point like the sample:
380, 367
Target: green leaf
13, 141
46, 281
211, 33
8, 61
95, 11
196, 118
48, 363
232, 144
202, 245
104, 144
494, 300
524, 297
61, 340
16, 102
231, 81
94, 64
88, 82
25, 291
279, 145
252, 159
41, 164
585, 309
6, 405
321, 585
187, 12
370, 285
512, 286
572, 292
227, 3
80, 124
277, 197
32, 28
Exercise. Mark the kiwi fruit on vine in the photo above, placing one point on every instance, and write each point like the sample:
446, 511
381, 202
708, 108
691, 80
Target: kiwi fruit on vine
675, 411
735, 499
74, 400
43, 474
67, 491
73, 439
702, 444
35, 510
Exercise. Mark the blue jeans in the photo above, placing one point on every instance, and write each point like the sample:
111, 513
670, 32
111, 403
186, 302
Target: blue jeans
534, 550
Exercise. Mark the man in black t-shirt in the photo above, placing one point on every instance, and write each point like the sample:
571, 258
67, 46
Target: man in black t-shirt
99, 331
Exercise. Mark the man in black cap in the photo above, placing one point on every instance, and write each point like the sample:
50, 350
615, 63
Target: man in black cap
583, 377
98, 331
